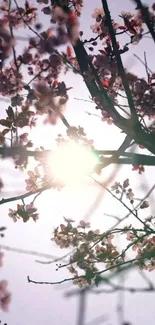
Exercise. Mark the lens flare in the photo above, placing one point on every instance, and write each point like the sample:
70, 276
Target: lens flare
71, 163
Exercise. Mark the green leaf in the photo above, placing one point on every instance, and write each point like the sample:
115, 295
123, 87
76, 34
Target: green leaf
10, 112
89, 274
97, 280
6, 123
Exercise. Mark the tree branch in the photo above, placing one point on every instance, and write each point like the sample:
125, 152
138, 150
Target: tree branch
23, 196
120, 66
34, 253
131, 211
145, 13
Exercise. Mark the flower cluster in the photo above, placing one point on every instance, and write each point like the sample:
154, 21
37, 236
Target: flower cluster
51, 101
143, 244
140, 168
123, 189
5, 296
91, 247
10, 82
31, 182
18, 16
25, 212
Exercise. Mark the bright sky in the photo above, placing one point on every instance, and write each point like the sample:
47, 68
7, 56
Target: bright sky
36, 304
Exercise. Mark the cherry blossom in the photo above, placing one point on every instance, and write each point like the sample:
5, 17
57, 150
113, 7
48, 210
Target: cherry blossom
84, 224
98, 14
5, 296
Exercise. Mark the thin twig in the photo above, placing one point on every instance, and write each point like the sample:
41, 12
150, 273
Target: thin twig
23, 196
131, 211
33, 253
141, 61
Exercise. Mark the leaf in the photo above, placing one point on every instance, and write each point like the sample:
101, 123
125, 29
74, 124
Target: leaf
69, 88
55, 83
25, 216
122, 27
126, 183
10, 112
89, 274
69, 50
72, 60
144, 205
3, 228
133, 23
5, 131
97, 280
19, 207
5, 123
46, 10
30, 10
114, 254
63, 227
104, 83
102, 52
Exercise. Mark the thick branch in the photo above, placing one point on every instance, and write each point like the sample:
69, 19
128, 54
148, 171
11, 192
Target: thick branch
127, 157
120, 65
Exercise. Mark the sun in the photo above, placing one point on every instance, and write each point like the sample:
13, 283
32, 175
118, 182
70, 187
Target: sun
72, 163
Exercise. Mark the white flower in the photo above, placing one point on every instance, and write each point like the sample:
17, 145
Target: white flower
126, 14
98, 14
12, 214
96, 28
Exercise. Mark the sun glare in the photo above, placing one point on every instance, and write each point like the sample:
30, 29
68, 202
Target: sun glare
72, 163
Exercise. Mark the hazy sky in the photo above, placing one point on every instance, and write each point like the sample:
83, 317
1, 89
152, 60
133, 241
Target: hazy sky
40, 304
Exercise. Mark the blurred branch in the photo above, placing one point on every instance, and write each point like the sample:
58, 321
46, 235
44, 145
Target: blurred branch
56, 259
137, 57
146, 279
12, 35
120, 302
131, 158
33, 253
98, 320
145, 13
114, 288
82, 308
122, 288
